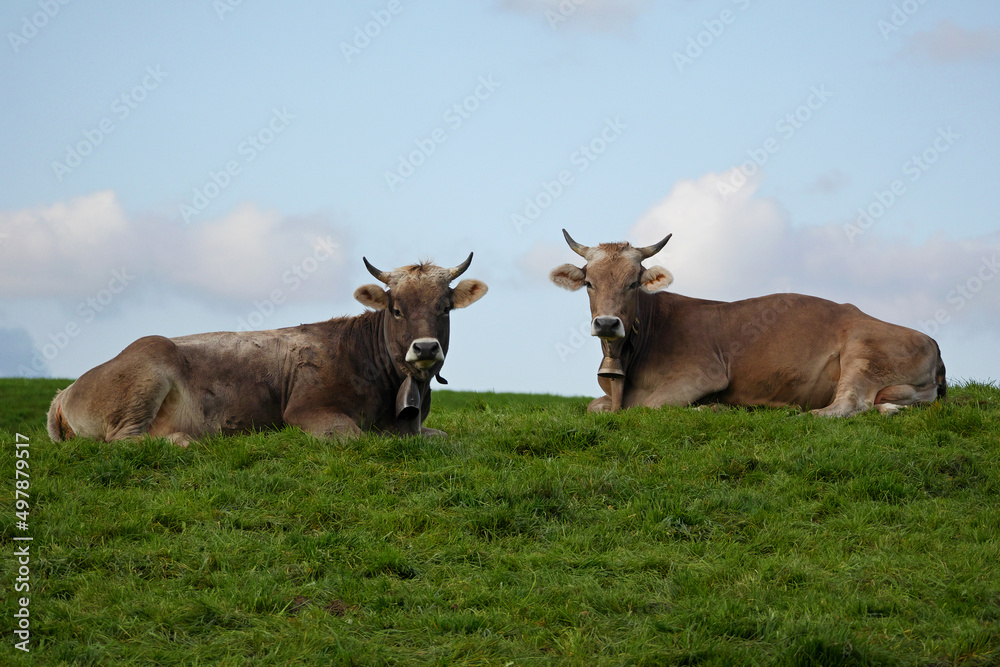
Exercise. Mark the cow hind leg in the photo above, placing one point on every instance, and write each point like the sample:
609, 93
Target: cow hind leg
134, 418
171, 414
890, 400
865, 384
846, 404
855, 391
57, 426
94, 412
121, 399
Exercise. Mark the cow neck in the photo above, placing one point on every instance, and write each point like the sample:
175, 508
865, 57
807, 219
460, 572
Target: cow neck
620, 356
383, 372
638, 334
409, 391
397, 378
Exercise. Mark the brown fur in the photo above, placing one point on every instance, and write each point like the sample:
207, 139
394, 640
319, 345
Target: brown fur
58, 428
330, 378
782, 349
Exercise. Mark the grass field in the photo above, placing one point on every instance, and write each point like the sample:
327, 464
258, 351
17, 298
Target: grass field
535, 534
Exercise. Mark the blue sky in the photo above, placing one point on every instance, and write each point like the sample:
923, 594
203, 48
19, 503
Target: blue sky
181, 167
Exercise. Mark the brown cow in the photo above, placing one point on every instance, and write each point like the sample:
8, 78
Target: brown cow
662, 348
332, 378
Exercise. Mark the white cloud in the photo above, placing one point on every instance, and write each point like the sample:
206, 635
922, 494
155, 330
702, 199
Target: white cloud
536, 264
949, 42
16, 352
63, 247
710, 232
746, 246
250, 252
601, 15
70, 249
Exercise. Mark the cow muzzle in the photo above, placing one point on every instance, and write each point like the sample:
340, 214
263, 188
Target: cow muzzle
607, 328
424, 353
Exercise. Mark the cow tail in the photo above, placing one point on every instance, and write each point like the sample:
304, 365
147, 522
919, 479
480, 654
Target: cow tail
939, 376
59, 429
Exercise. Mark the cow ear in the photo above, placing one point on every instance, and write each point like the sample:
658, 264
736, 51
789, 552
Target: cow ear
568, 277
468, 292
372, 296
656, 278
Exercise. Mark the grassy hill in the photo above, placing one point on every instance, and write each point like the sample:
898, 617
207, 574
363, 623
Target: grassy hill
534, 534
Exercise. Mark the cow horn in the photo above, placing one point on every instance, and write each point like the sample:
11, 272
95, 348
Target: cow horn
651, 250
379, 274
460, 269
580, 250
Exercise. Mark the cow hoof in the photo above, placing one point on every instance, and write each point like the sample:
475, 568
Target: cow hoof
179, 439
835, 412
602, 404
432, 432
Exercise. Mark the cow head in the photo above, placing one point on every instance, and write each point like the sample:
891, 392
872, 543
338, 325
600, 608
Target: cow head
416, 304
613, 276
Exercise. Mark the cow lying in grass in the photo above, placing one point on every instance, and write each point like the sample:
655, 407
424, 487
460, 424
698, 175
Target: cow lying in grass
332, 378
784, 349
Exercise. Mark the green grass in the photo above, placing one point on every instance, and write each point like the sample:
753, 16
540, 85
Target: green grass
535, 534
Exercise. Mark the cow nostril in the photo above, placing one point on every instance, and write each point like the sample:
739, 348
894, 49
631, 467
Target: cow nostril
605, 326
424, 349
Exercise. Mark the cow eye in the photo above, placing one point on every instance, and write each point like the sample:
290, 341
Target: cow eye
586, 283
635, 283
397, 313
